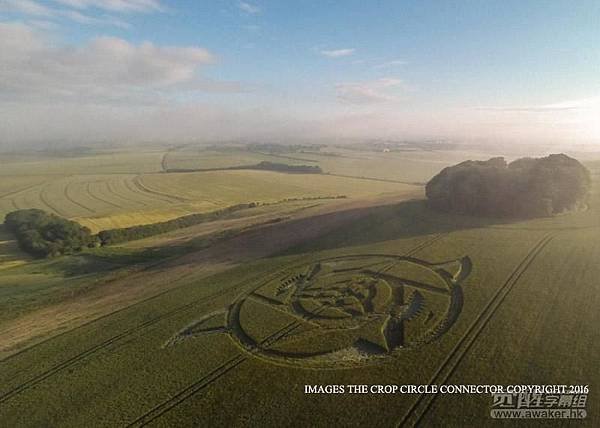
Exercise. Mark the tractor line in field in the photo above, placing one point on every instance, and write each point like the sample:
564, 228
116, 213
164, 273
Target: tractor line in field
232, 363
46, 202
72, 200
88, 189
212, 376
143, 187
420, 407
114, 193
134, 189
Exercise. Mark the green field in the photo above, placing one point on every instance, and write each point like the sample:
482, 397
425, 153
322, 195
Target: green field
380, 293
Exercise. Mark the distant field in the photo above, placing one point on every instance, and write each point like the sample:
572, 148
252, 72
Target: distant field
118, 199
227, 187
209, 159
405, 166
119, 189
101, 162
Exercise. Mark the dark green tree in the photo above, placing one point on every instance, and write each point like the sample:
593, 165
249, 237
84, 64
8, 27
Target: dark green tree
47, 235
527, 187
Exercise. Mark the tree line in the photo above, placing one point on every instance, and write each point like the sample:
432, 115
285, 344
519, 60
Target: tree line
116, 236
263, 166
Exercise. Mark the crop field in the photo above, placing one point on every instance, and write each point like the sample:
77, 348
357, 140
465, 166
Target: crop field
400, 295
109, 190
415, 166
212, 159
410, 167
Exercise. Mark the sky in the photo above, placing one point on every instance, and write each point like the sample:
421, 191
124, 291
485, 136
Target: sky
84, 71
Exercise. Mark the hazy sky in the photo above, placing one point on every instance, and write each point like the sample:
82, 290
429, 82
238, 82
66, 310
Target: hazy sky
79, 71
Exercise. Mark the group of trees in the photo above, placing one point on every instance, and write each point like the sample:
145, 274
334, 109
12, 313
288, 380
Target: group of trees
263, 166
47, 235
284, 148
283, 167
526, 187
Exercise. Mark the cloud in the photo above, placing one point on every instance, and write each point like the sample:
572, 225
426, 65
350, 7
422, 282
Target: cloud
375, 91
90, 20
121, 6
337, 53
105, 70
27, 7
390, 64
42, 24
571, 105
73, 10
248, 8
50, 14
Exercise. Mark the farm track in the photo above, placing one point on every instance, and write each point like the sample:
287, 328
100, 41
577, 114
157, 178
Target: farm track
232, 363
73, 201
137, 181
448, 367
88, 190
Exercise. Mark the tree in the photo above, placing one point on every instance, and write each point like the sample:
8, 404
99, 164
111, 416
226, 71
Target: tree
527, 187
47, 235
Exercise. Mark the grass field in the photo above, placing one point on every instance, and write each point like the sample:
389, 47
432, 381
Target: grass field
376, 294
